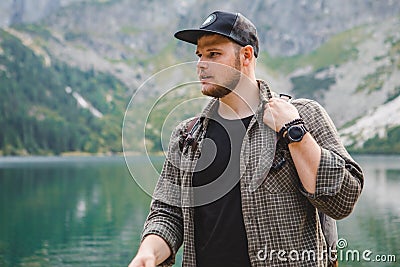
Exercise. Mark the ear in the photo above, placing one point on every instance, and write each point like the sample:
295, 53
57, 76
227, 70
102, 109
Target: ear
248, 54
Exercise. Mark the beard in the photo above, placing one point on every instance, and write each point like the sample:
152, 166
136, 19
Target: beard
224, 88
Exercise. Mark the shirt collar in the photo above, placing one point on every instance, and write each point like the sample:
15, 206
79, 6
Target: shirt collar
265, 95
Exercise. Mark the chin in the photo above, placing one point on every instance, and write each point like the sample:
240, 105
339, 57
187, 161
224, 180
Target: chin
214, 90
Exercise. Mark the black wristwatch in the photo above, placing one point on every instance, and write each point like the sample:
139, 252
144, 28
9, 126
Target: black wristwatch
295, 133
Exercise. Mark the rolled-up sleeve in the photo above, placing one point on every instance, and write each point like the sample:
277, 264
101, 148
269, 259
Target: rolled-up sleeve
165, 218
339, 177
166, 222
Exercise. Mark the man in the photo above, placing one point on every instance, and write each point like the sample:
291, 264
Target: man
253, 171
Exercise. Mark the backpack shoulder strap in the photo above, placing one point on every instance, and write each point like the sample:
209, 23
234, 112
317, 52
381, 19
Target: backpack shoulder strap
191, 124
186, 137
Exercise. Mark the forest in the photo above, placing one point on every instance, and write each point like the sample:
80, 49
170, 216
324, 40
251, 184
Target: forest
39, 117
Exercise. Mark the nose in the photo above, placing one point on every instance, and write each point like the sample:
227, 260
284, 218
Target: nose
201, 64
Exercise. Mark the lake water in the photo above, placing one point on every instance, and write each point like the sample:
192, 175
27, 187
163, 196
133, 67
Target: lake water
88, 211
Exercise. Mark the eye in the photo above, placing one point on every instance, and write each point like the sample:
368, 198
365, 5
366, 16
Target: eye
198, 55
214, 54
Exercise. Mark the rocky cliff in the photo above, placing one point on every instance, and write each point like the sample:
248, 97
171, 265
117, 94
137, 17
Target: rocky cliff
345, 54
287, 27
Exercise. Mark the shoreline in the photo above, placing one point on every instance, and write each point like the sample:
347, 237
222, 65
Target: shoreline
71, 157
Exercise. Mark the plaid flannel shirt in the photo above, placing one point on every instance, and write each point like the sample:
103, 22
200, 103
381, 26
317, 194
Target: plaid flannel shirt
279, 214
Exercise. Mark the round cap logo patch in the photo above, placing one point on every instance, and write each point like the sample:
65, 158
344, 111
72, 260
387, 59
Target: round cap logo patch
209, 20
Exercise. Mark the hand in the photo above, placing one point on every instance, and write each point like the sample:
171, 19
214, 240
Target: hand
152, 251
143, 260
278, 112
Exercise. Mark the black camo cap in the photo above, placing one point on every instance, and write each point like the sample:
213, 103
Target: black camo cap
232, 25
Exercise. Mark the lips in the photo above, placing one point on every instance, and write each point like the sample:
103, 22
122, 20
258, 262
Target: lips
203, 77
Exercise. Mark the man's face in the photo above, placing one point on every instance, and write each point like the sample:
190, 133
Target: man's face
218, 67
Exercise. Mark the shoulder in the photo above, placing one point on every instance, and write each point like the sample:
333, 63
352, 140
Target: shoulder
181, 130
308, 107
305, 103
185, 125
314, 114
176, 141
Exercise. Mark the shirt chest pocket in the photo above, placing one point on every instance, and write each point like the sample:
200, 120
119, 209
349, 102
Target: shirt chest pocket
282, 176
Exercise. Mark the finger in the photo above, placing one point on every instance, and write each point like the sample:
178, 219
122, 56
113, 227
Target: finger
268, 106
274, 101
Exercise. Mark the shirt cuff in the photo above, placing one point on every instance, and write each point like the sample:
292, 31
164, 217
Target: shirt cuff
330, 175
165, 233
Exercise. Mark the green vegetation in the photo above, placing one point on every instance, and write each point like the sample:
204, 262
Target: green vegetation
337, 50
308, 86
374, 81
167, 111
130, 30
38, 116
394, 53
394, 94
41, 117
73, 36
165, 58
388, 145
35, 29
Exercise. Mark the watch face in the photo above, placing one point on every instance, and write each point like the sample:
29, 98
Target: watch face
295, 133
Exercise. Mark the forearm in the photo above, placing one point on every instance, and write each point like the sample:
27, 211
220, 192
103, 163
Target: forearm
156, 246
152, 251
306, 156
332, 181
339, 184
332, 188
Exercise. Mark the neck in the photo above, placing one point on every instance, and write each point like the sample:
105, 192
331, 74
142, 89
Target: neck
241, 102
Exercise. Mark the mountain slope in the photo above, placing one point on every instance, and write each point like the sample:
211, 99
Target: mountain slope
68, 78
50, 109
288, 27
381, 124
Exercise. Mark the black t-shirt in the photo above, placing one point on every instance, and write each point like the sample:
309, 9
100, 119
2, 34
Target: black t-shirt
220, 236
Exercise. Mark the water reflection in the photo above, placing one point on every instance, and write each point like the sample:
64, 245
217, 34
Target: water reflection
73, 213
90, 212
375, 223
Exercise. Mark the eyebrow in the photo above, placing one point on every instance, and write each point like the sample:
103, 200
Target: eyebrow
209, 49
214, 42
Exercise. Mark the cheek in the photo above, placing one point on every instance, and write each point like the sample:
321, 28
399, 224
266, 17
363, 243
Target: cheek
222, 70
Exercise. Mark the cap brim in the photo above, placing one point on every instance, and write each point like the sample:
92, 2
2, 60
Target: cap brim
191, 36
